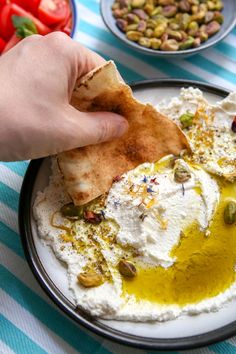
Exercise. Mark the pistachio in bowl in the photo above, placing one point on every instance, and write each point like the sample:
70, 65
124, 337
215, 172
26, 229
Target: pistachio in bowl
169, 27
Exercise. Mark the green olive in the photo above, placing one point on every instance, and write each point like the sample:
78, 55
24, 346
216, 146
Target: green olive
72, 211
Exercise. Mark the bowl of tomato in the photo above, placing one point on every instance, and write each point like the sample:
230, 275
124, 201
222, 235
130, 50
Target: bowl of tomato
22, 18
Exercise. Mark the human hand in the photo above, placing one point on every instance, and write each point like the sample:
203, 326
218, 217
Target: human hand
37, 79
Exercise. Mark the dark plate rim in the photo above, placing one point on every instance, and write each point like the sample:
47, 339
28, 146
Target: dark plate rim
74, 17
164, 54
63, 303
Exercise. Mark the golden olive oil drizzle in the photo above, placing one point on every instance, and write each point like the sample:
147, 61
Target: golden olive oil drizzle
205, 260
204, 264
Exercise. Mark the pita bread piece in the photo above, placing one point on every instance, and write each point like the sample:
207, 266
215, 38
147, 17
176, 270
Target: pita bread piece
89, 171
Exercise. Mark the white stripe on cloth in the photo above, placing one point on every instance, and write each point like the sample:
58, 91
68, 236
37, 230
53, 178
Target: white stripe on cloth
8, 217
125, 59
19, 267
205, 75
4, 349
232, 341
10, 178
33, 328
231, 40
90, 16
220, 59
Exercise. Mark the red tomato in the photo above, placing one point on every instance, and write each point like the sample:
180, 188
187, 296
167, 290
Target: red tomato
33, 6
2, 45
22, 3
6, 26
52, 12
41, 27
2, 3
11, 43
29, 5
68, 26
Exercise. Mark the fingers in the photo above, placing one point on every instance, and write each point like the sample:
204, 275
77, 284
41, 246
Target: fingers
83, 58
83, 129
98, 127
89, 59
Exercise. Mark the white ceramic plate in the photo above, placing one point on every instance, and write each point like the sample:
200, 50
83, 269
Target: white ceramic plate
182, 333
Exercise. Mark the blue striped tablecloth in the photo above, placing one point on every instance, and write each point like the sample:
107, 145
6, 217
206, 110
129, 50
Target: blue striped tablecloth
29, 321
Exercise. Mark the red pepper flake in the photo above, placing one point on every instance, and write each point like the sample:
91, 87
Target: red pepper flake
233, 127
117, 178
154, 180
92, 217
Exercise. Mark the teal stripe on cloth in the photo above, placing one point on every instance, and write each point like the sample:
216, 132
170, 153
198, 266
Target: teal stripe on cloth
50, 317
223, 348
11, 239
17, 167
226, 49
8, 196
165, 66
17, 340
213, 68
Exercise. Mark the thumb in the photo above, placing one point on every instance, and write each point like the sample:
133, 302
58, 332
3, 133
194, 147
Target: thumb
94, 127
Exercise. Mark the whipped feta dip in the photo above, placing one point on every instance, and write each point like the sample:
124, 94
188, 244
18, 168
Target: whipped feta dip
152, 209
211, 138
169, 230
148, 190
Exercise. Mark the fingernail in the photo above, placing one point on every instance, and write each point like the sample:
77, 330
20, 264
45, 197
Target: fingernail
122, 127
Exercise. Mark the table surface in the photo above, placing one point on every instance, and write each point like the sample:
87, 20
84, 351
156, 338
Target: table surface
29, 321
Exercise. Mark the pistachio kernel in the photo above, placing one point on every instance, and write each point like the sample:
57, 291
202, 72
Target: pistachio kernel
181, 172
90, 279
186, 119
230, 213
212, 28
137, 3
180, 25
145, 42
187, 43
127, 269
134, 35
